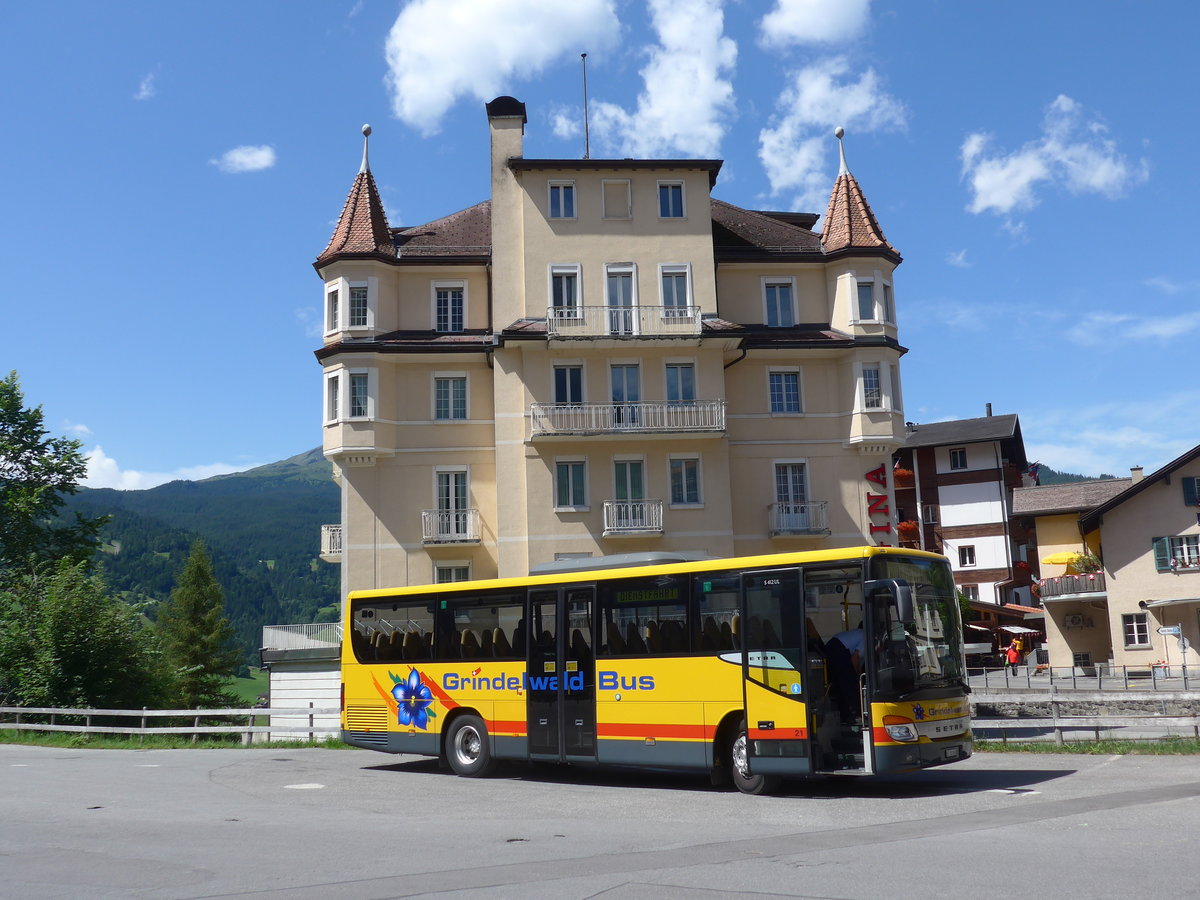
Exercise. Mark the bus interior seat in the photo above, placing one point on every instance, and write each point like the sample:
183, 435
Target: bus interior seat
518, 639
485, 642
500, 645
726, 636
470, 644
674, 637
616, 644
654, 638
710, 635
633, 640
770, 638
579, 647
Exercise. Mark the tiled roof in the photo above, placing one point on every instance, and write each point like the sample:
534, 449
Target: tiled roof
963, 431
738, 231
1077, 496
362, 228
467, 232
849, 223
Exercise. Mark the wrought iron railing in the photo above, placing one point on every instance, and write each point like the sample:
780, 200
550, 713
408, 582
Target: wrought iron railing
808, 517
331, 540
633, 517
449, 526
629, 418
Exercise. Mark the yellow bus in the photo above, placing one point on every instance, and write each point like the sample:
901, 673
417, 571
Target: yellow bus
846, 661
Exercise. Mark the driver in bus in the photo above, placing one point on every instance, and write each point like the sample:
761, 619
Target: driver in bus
843, 652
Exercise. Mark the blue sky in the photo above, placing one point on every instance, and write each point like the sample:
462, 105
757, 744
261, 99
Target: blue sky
172, 169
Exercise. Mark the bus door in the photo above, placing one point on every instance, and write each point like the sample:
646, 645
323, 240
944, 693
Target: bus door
773, 663
561, 681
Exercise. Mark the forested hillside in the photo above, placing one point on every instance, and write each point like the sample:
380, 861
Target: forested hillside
262, 528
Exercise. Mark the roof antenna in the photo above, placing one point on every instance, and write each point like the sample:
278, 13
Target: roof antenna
839, 133
365, 167
587, 141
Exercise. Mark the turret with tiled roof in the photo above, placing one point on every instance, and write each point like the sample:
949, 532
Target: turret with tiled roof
362, 230
849, 223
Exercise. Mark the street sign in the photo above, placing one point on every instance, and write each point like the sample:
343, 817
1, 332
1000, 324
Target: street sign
1169, 629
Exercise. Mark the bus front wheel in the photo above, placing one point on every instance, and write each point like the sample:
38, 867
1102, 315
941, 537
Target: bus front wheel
739, 766
467, 748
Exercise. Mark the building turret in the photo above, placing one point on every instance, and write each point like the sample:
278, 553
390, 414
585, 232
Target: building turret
362, 229
849, 224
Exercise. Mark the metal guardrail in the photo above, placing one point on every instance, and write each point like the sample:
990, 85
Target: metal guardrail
1154, 676
449, 526
1057, 722
1069, 585
11, 718
808, 517
622, 321
302, 637
331, 540
627, 418
632, 517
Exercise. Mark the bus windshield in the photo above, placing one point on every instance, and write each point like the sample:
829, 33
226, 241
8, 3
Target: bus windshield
927, 652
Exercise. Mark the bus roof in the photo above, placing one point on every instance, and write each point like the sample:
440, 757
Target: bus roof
602, 573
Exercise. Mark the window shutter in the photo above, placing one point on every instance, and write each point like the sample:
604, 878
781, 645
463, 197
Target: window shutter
1162, 555
1189, 491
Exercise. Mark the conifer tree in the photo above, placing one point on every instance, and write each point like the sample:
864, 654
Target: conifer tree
196, 637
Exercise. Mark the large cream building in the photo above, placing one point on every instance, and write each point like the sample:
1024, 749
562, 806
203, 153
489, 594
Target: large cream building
603, 358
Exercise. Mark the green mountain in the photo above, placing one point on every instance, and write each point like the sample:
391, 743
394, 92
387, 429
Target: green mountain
263, 531
1047, 475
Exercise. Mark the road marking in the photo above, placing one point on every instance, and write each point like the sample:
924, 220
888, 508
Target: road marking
304, 787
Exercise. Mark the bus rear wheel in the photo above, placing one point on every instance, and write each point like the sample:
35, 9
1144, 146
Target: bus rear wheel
739, 766
467, 748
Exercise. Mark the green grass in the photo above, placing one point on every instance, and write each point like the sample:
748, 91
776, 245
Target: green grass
1170, 746
248, 689
77, 741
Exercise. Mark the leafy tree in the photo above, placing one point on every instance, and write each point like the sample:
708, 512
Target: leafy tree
196, 637
36, 473
66, 641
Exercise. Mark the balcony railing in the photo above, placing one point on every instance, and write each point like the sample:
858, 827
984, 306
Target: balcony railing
622, 321
632, 517
449, 526
627, 418
302, 637
1071, 585
331, 541
809, 517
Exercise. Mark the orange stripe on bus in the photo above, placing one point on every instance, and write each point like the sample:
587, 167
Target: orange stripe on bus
509, 728
777, 734
677, 732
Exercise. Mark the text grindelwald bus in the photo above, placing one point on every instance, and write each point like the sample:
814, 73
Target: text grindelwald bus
741, 668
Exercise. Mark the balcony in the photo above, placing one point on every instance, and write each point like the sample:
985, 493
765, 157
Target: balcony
633, 518
302, 637
799, 519
331, 543
675, 418
1070, 587
622, 321
450, 526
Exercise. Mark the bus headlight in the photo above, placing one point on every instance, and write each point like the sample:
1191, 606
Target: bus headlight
900, 728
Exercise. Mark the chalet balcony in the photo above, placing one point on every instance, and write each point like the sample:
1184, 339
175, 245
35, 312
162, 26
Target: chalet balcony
622, 321
799, 519
701, 417
331, 543
1071, 587
633, 518
450, 526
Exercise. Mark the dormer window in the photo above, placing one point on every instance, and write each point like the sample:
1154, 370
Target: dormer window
562, 199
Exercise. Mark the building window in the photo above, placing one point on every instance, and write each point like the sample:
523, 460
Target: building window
966, 556
359, 395
449, 307
570, 484
676, 299
620, 296
670, 200
628, 481
681, 383
626, 385
1081, 658
930, 514
1179, 553
568, 384
358, 306
889, 305
866, 300
970, 591
958, 458
564, 292
333, 410
331, 310
685, 482
784, 392
1137, 629
1191, 490
872, 387
562, 199
779, 305
446, 573
450, 397
616, 199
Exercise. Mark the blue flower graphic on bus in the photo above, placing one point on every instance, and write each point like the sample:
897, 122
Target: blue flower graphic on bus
413, 700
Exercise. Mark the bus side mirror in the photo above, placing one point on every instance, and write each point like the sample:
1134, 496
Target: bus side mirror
896, 590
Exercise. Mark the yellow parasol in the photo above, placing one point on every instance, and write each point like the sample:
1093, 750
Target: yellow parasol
1064, 558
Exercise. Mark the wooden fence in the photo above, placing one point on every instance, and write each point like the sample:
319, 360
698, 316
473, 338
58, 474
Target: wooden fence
1141, 724
302, 720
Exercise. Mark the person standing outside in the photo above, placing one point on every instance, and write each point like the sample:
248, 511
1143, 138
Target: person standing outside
1012, 655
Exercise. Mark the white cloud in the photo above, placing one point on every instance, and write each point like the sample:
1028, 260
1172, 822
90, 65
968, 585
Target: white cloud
958, 259
245, 159
814, 22
78, 429
146, 88
686, 103
1073, 152
566, 122
819, 98
441, 50
1102, 328
104, 472
1170, 286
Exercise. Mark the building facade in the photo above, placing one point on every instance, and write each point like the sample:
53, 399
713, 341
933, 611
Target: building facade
603, 358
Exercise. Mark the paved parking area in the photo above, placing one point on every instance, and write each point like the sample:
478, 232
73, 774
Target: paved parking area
306, 824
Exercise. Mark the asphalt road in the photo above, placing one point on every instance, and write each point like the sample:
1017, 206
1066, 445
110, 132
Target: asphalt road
355, 825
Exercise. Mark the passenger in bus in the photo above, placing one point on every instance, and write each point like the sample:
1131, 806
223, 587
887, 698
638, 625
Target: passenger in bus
843, 654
